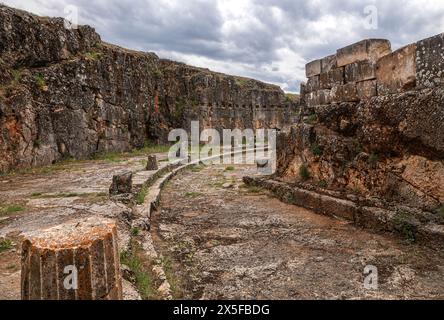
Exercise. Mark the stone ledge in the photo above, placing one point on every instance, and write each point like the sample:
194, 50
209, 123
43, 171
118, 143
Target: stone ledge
372, 218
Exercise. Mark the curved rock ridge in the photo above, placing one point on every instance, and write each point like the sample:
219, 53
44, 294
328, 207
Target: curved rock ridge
65, 93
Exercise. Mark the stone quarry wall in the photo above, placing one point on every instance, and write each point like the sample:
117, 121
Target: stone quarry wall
65, 93
372, 123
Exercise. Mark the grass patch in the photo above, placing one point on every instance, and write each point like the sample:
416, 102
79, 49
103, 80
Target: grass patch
93, 55
440, 211
403, 224
323, 184
197, 168
17, 76
141, 195
61, 195
230, 168
109, 157
144, 282
192, 194
304, 173
5, 245
311, 119
373, 159
40, 80
150, 147
253, 189
135, 232
167, 266
316, 149
10, 209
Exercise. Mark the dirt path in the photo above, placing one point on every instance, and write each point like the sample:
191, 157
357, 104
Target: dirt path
221, 240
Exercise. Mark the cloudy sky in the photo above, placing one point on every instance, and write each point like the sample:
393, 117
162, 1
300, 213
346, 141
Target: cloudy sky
270, 40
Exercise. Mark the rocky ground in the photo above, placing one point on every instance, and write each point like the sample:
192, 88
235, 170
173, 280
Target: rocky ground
50, 196
218, 238
222, 240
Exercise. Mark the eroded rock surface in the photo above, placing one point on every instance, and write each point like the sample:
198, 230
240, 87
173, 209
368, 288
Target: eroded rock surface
240, 243
64, 93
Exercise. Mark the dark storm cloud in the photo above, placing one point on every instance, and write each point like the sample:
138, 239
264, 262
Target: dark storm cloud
267, 39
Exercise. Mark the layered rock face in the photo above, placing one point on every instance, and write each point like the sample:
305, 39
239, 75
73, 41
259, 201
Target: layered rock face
372, 124
65, 93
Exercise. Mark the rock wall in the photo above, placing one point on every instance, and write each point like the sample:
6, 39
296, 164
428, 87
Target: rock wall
65, 93
372, 124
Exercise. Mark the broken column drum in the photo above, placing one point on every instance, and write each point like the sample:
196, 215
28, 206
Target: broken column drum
78, 260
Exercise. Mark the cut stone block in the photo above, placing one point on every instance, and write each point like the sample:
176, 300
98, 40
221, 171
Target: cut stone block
345, 93
332, 78
370, 49
313, 84
360, 71
366, 89
317, 98
78, 260
397, 71
430, 61
152, 163
328, 63
122, 184
313, 68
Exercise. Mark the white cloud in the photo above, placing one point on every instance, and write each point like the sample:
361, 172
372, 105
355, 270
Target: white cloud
270, 40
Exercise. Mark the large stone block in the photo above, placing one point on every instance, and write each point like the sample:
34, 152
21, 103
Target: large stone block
328, 63
370, 49
366, 89
345, 93
317, 98
313, 84
78, 260
360, 71
397, 71
430, 61
122, 184
331, 78
313, 68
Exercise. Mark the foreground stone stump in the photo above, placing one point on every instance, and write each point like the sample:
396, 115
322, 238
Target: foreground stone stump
75, 261
122, 184
152, 163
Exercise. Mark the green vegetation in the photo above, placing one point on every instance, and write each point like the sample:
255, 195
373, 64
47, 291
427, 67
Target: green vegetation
17, 76
193, 194
323, 184
311, 119
290, 97
230, 168
197, 168
404, 225
110, 157
93, 55
61, 195
150, 147
373, 159
5, 245
254, 189
10, 209
316, 149
135, 232
141, 195
167, 266
139, 268
40, 80
241, 82
304, 172
440, 211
